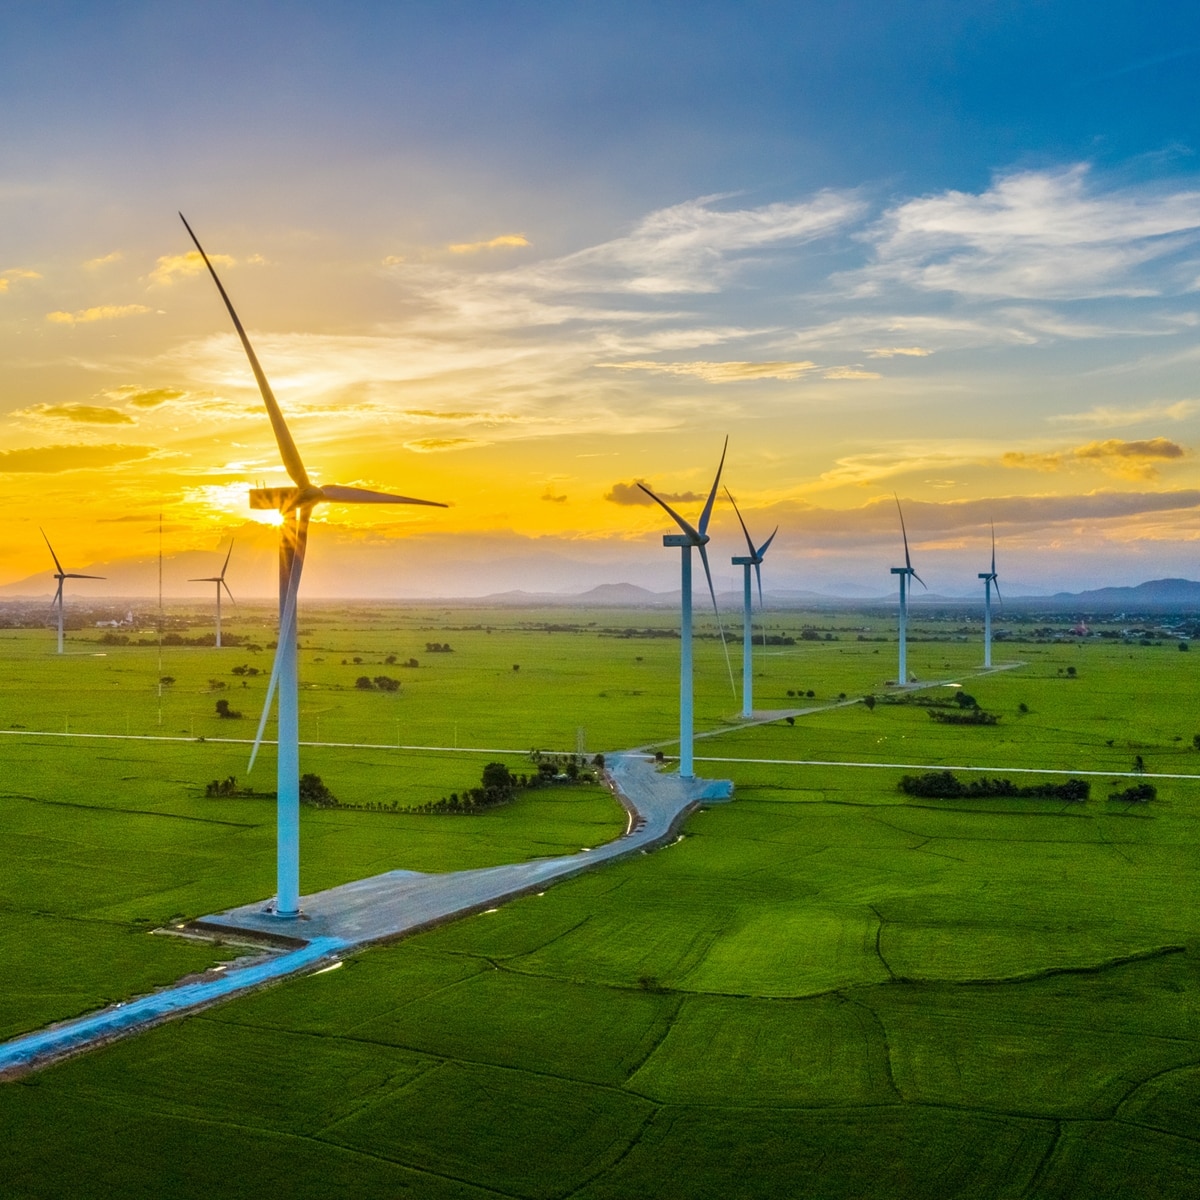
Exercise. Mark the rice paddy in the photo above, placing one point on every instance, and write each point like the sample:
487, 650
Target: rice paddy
826, 988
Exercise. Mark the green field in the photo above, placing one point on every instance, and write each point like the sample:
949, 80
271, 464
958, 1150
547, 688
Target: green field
826, 989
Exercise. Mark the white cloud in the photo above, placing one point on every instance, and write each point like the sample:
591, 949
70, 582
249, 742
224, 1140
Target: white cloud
1035, 234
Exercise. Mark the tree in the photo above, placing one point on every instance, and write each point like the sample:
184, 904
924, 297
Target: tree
497, 776
225, 712
363, 683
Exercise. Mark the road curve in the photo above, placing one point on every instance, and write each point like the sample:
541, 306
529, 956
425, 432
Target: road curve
380, 908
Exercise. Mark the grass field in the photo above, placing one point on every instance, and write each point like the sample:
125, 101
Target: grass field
826, 989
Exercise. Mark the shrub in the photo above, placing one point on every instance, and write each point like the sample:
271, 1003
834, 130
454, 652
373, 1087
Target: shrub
385, 683
944, 785
363, 683
226, 713
313, 791
1140, 792
975, 716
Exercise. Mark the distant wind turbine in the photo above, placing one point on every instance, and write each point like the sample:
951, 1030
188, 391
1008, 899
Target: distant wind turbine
61, 575
295, 504
219, 580
904, 572
691, 537
746, 561
989, 578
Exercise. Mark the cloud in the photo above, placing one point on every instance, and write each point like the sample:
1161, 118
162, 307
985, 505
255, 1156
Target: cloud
1106, 416
103, 312
503, 242
849, 373
717, 372
393, 260
434, 445
1035, 234
690, 247
15, 274
153, 397
103, 260
181, 266
1132, 460
549, 496
83, 414
899, 352
631, 494
51, 460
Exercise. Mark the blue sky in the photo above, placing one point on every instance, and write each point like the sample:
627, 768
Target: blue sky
521, 255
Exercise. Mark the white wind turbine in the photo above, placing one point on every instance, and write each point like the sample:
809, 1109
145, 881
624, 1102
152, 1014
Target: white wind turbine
219, 580
989, 578
295, 505
746, 561
691, 537
904, 572
61, 575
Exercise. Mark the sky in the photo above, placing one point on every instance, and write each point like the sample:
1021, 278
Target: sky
519, 257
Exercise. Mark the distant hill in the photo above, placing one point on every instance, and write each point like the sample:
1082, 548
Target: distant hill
1154, 595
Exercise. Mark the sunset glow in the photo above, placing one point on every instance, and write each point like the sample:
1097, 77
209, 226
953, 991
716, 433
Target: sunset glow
996, 331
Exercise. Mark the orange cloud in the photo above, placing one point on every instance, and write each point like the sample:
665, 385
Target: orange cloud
504, 241
1132, 460
181, 266
84, 414
103, 312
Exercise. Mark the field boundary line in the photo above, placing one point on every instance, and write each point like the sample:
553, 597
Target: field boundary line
894, 766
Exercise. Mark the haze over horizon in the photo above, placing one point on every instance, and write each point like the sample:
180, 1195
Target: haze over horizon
521, 257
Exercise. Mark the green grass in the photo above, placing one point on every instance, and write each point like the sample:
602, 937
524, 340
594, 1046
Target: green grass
825, 989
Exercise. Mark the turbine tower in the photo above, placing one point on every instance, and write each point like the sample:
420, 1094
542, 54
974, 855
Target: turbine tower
904, 572
219, 580
295, 505
691, 537
746, 561
61, 575
989, 578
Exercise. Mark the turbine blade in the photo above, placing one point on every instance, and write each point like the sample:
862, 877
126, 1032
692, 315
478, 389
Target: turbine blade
227, 591
708, 507
996, 582
353, 495
907, 560
763, 548
758, 572
207, 579
227, 558
69, 575
57, 564
283, 437
717, 612
58, 595
749, 543
917, 578
993, 550
696, 537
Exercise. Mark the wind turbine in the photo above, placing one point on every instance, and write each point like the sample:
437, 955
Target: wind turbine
746, 561
989, 578
61, 575
295, 505
697, 537
219, 580
904, 572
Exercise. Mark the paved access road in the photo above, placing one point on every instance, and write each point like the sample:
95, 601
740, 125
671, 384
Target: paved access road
377, 909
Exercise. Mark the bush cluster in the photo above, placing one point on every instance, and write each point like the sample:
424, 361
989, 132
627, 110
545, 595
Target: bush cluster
1141, 792
946, 785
